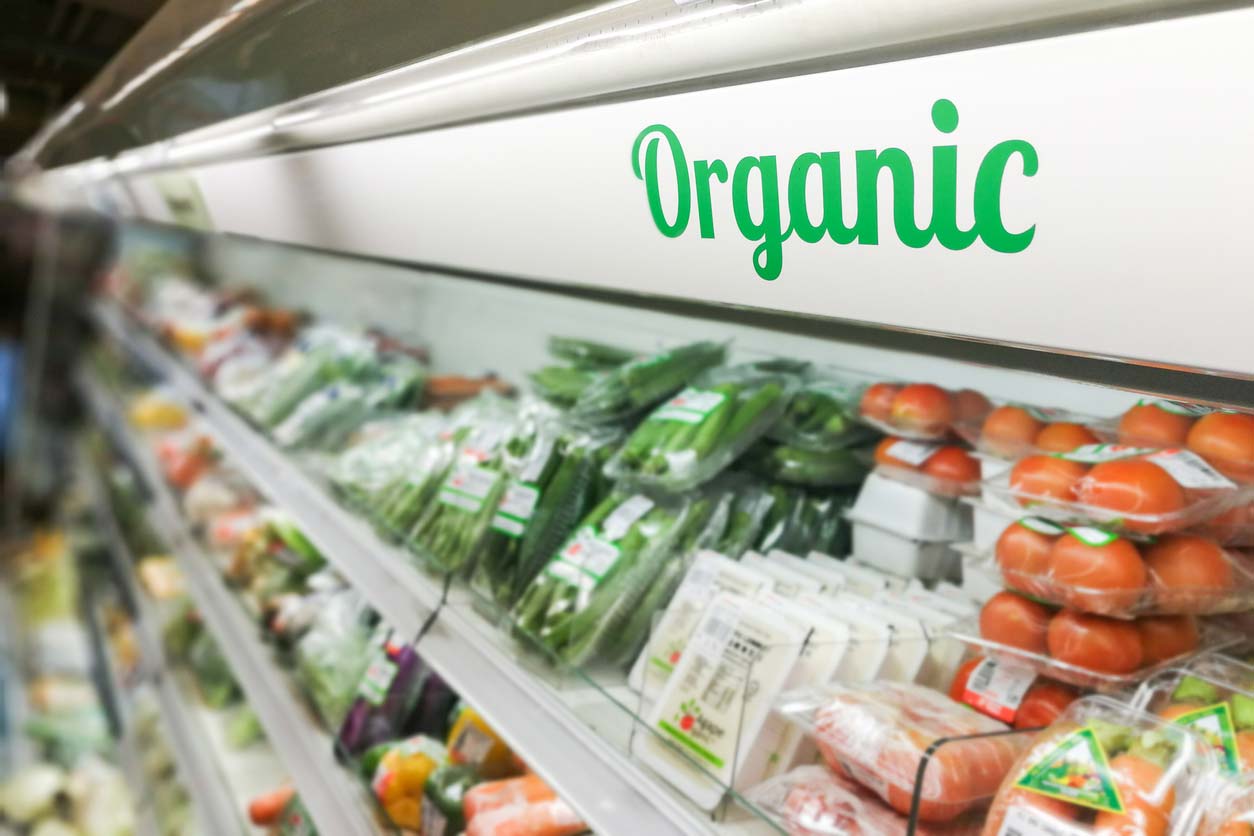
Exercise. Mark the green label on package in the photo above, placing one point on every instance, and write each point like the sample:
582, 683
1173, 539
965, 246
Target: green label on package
1214, 725
515, 510
584, 560
1076, 771
468, 486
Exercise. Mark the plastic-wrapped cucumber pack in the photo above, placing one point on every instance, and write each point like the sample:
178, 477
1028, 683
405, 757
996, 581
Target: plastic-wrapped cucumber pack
840, 467
322, 355
592, 585
639, 384
325, 419
822, 417
584, 361
697, 433
477, 425
551, 471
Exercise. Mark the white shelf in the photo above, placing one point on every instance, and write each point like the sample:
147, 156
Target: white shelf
613, 794
216, 810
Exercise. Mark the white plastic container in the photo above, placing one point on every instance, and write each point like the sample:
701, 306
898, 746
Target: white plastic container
910, 512
889, 552
987, 523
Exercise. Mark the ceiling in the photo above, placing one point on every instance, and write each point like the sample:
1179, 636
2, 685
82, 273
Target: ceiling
50, 48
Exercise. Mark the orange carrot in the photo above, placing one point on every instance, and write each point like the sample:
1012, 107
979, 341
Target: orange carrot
543, 818
506, 793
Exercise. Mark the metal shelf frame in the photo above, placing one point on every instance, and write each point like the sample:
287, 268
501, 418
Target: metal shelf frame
611, 792
334, 799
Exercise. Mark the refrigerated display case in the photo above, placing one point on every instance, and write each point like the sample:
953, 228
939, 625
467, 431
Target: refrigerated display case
592, 344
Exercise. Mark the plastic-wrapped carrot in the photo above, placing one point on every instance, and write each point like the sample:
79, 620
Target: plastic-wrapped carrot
510, 792
543, 818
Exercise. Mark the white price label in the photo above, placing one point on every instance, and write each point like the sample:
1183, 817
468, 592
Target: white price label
1098, 453
515, 510
1092, 536
690, 406
1026, 821
468, 486
914, 453
1191, 470
618, 523
584, 560
997, 689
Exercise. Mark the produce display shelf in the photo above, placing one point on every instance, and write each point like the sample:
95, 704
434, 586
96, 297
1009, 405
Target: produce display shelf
611, 792
334, 799
216, 810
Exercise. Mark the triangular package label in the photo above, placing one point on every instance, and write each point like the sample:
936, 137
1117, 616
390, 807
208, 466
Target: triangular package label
1077, 771
1214, 725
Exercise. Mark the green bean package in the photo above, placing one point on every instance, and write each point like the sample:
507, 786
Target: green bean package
551, 484
635, 386
592, 585
696, 434
822, 416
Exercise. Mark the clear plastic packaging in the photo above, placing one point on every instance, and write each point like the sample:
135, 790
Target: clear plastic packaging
799, 521
1104, 768
693, 436
1015, 430
1011, 693
381, 454
1129, 488
1214, 700
919, 411
321, 355
946, 470
813, 468
592, 585
880, 733
814, 801
551, 472
639, 384
1224, 437
1230, 809
1099, 571
1086, 650
821, 417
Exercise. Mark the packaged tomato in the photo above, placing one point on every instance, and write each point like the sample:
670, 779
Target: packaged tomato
919, 411
879, 733
814, 801
947, 470
1011, 692
1230, 809
1015, 430
1084, 649
1134, 489
1214, 699
1224, 437
1105, 769
1100, 571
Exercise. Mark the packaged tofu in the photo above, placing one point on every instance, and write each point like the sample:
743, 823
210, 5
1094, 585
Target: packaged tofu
719, 695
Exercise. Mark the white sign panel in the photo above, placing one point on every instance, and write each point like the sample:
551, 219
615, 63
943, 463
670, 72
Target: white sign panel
1086, 193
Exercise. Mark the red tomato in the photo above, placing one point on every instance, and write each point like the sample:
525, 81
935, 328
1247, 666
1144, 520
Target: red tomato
1013, 620
1062, 437
955, 467
1147, 425
923, 408
1094, 642
970, 405
1226, 440
1009, 431
1023, 557
882, 456
1045, 477
1184, 570
1232, 524
1148, 799
958, 688
1042, 704
1132, 486
1107, 579
1167, 636
877, 401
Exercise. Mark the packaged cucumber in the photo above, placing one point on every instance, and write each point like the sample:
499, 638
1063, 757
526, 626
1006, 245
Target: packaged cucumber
551, 471
454, 521
562, 385
816, 469
477, 425
799, 522
588, 354
325, 419
821, 417
641, 383
593, 583
380, 453
697, 433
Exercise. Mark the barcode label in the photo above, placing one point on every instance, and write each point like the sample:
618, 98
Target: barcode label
1024, 821
715, 632
914, 453
1190, 470
997, 689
